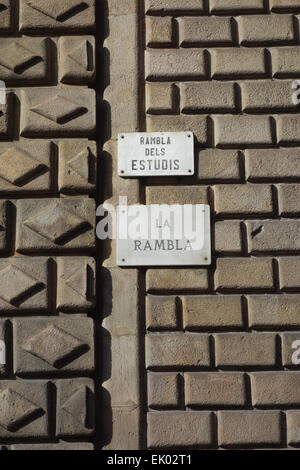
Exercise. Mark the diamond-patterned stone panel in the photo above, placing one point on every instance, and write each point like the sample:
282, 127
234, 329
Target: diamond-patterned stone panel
59, 15
77, 59
53, 345
75, 407
5, 16
77, 166
23, 409
56, 112
23, 284
75, 284
55, 224
24, 59
25, 166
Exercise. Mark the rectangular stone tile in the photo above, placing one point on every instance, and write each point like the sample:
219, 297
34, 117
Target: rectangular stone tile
249, 428
58, 112
175, 63
293, 427
207, 97
6, 16
288, 129
273, 236
163, 390
266, 29
212, 311
267, 96
244, 350
25, 60
176, 279
216, 165
75, 407
77, 166
76, 283
177, 350
274, 311
66, 16
159, 31
290, 343
228, 236
238, 63
244, 273
23, 409
179, 429
161, 98
275, 388
6, 114
121, 428
272, 164
207, 389
55, 224
171, 6
289, 273
285, 61
3, 352
77, 59
203, 31
241, 199
24, 284
53, 346
289, 196
26, 166
161, 312
198, 125
176, 195
242, 131
284, 5
236, 6
61, 445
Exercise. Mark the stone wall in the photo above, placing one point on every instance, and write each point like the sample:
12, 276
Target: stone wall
218, 347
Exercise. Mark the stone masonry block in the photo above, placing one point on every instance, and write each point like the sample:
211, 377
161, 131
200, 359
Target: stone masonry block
235, 6
244, 273
267, 96
285, 61
245, 350
228, 236
289, 349
182, 123
77, 59
6, 115
293, 427
176, 195
77, 166
275, 388
75, 407
3, 352
175, 63
4, 227
61, 445
160, 98
238, 63
24, 59
161, 312
159, 31
26, 166
58, 111
163, 390
212, 312
274, 311
176, 279
219, 165
288, 129
53, 346
24, 284
273, 236
55, 224
289, 273
59, 15
172, 6
242, 131
203, 31
75, 283
272, 164
243, 199
266, 29
180, 429
249, 428
208, 389
289, 196
6, 16
284, 5
177, 350
23, 409
207, 97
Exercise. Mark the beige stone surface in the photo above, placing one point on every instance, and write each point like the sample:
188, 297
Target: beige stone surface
207, 97
177, 279
176, 195
290, 348
293, 427
285, 61
274, 311
275, 388
160, 98
174, 5
288, 129
242, 131
233, 6
161, 312
266, 29
289, 272
284, 5
159, 31
205, 31
243, 199
197, 124
163, 390
238, 63
267, 95
77, 59
179, 63
216, 165
6, 16
272, 164
228, 236
179, 429
289, 196
244, 273
204, 312
273, 236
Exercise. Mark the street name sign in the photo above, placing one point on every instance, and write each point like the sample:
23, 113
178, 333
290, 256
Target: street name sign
156, 154
163, 235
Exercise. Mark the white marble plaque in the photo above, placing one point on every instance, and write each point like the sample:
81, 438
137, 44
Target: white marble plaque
163, 235
156, 154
